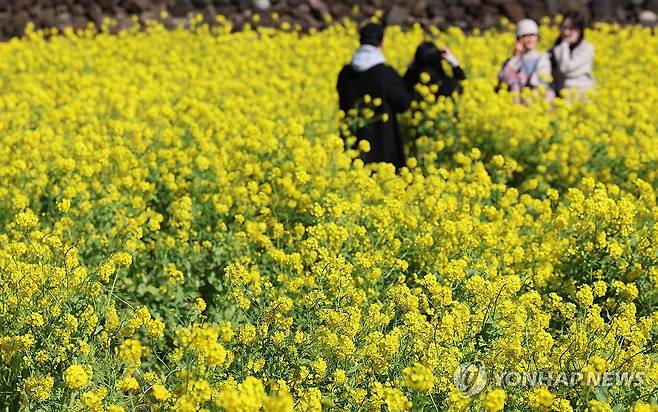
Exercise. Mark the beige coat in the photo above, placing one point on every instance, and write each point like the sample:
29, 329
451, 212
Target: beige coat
576, 65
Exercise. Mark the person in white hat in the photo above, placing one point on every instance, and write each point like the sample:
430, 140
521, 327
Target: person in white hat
528, 67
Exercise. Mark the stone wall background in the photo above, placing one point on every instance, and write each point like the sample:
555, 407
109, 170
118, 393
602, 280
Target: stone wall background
468, 14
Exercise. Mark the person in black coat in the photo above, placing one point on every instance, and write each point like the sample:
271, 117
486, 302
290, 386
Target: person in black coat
428, 59
368, 74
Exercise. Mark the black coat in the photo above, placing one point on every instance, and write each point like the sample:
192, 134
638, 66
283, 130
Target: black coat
448, 85
386, 142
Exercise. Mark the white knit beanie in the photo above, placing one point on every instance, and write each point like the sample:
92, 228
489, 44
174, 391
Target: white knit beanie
525, 27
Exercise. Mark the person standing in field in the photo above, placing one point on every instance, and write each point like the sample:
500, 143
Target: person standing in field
572, 57
528, 67
368, 80
429, 59
426, 80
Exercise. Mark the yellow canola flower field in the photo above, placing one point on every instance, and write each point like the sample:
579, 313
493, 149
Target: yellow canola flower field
182, 229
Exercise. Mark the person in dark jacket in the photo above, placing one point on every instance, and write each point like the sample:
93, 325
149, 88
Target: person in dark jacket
429, 59
368, 76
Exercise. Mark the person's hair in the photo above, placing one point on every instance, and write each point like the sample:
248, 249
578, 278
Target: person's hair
372, 34
428, 59
578, 21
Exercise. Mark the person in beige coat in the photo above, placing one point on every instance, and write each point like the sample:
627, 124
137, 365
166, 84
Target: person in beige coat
572, 57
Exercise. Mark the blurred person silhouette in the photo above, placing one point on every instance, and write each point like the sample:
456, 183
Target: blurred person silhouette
572, 57
429, 59
427, 69
528, 67
368, 77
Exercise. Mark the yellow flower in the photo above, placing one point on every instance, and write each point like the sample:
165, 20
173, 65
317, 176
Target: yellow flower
77, 376
127, 384
36, 319
319, 367
39, 388
541, 397
248, 334
64, 205
155, 328
598, 406
339, 377
160, 393
585, 296
93, 399
494, 400
199, 305
364, 146
419, 377
131, 351
26, 219
175, 275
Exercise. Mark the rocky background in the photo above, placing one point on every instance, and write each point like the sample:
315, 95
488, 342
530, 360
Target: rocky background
468, 14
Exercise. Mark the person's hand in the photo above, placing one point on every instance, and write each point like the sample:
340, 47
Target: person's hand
519, 47
447, 55
569, 35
